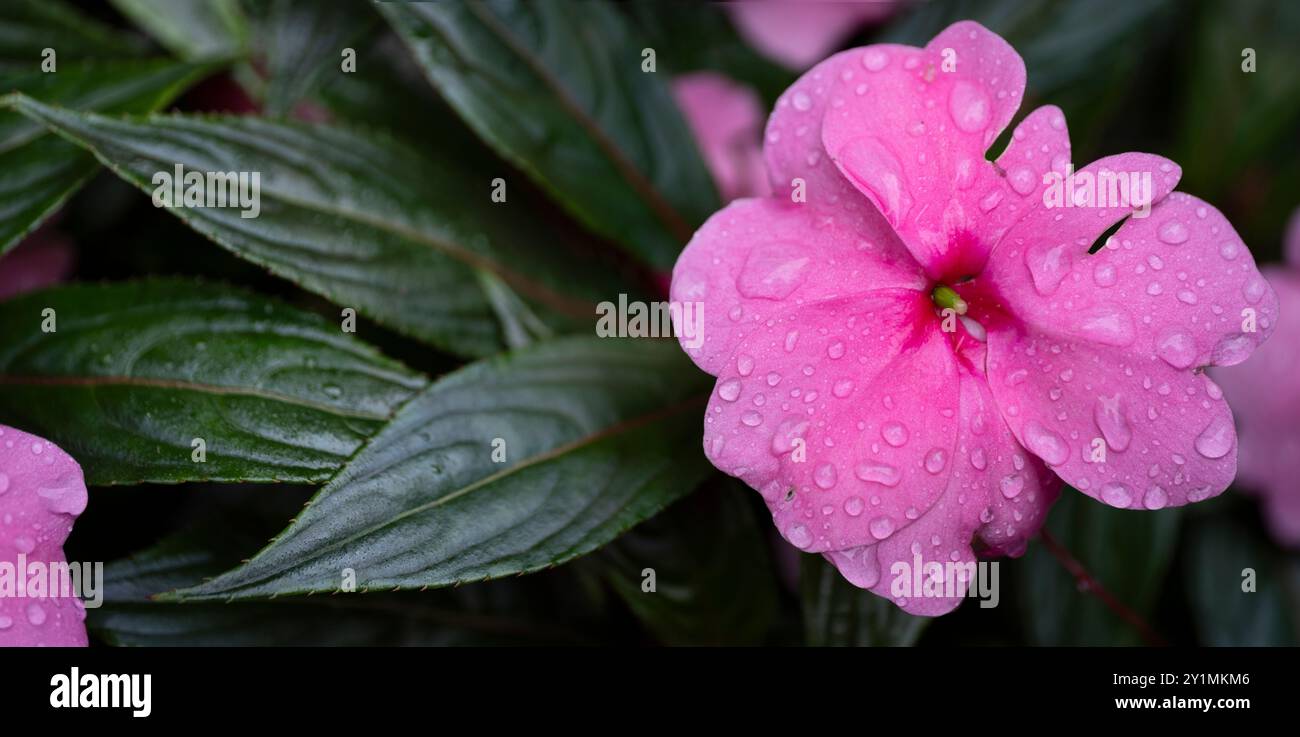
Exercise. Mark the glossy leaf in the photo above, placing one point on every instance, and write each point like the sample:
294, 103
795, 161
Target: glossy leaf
40, 170
134, 372
304, 45
537, 610
713, 579
355, 216
558, 89
1225, 561
191, 29
838, 614
597, 436
28, 27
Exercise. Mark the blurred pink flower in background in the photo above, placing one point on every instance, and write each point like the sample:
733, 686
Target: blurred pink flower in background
41, 492
43, 258
726, 119
798, 33
883, 431
1265, 396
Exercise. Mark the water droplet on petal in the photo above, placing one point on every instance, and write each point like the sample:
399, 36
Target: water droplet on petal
935, 460
1104, 275
969, 107
1232, 350
786, 433
1022, 180
729, 390
773, 270
1172, 232
1012, 485
1216, 439
1048, 264
1045, 443
879, 473
1178, 349
1106, 324
825, 476
64, 495
1116, 494
853, 506
798, 536
1109, 416
881, 528
1156, 498
895, 433
874, 60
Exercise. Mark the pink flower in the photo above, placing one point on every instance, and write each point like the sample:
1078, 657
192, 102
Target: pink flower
727, 122
41, 492
42, 259
1266, 395
797, 33
884, 432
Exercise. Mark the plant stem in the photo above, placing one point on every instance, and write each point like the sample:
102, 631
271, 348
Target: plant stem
1090, 584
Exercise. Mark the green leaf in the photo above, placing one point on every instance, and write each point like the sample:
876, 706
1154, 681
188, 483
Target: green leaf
191, 29
134, 372
357, 217
838, 614
714, 583
41, 171
557, 89
304, 43
506, 612
1219, 553
1128, 552
28, 27
598, 435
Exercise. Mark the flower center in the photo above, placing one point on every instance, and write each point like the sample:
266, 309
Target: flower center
947, 298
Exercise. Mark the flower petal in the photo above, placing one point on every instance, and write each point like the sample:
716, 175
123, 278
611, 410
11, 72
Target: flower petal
1097, 368
759, 258
994, 488
1265, 398
727, 121
41, 492
841, 414
909, 128
799, 33
42, 259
